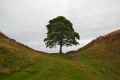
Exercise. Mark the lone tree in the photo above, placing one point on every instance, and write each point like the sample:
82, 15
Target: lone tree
61, 32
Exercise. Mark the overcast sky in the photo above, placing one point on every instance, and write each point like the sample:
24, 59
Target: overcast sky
25, 20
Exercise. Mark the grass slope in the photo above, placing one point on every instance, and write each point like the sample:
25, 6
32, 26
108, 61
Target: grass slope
102, 56
14, 56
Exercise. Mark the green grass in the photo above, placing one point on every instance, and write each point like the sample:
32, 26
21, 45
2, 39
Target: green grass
103, 70
61, 68
51, 68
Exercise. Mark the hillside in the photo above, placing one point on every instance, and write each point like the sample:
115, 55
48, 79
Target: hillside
14, 55
102, 55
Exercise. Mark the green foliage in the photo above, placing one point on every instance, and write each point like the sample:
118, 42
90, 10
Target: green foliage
61, 32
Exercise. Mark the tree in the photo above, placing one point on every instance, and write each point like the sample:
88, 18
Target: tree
61, 32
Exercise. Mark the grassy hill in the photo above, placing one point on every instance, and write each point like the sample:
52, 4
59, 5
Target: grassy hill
15, 56
102, 55
99, 60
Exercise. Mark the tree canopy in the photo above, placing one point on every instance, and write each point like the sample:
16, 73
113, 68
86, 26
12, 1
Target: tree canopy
61, 32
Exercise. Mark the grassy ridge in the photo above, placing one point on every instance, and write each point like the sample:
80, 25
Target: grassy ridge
102, 56
14, 56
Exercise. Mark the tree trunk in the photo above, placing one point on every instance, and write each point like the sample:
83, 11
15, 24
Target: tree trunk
61, 45
60, 48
